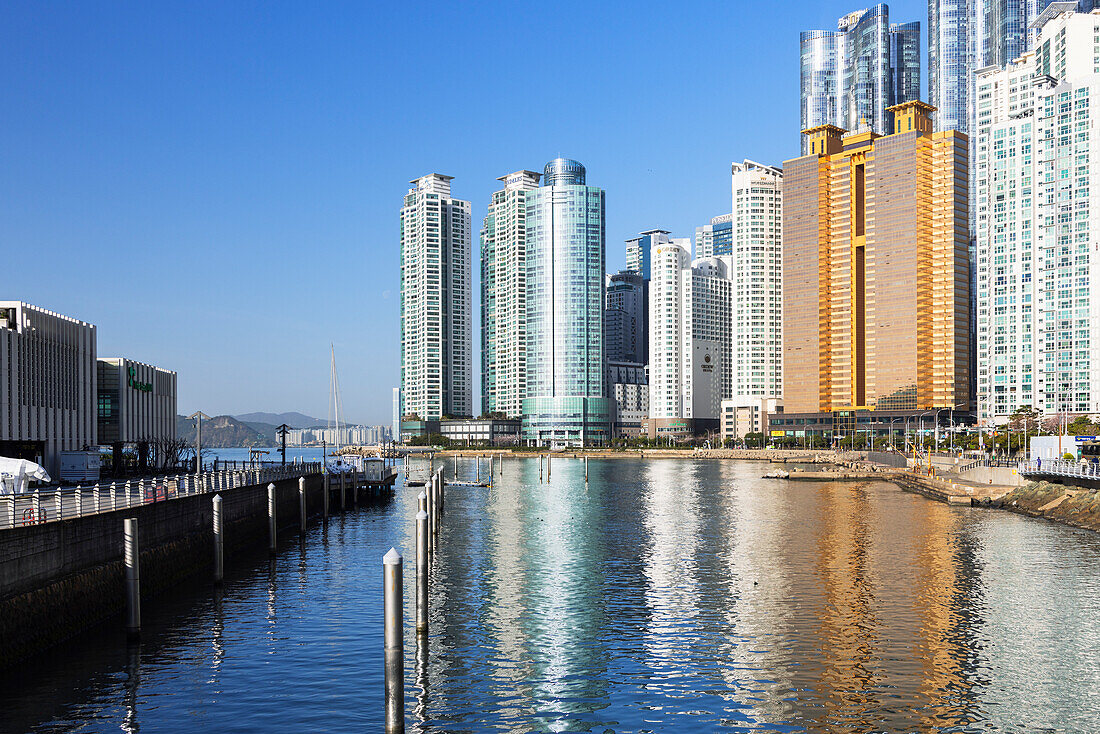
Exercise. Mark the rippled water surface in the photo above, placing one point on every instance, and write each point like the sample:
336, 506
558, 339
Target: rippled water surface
666, 595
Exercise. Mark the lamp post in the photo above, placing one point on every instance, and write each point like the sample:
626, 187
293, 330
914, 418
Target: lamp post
198, 415
281, 433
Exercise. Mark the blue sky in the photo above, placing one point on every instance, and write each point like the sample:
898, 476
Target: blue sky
216, 185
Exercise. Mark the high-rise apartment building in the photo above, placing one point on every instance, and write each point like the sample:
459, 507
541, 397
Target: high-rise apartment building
876, 273
757, 272
1037, 192
504, 297
715, 238
965, 36
626, 336
857, 72
690, 317
436, 337
566, 403
638, 250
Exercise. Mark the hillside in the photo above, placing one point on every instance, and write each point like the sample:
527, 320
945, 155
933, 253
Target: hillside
221, 432
292, 419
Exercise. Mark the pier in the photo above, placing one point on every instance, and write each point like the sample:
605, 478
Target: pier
62, 566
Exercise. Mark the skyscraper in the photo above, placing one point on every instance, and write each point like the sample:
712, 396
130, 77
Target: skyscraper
757, 273
690, 316
967, 35
876, 274
715, 238
625, 333
638, 250
1037, 183
436, 338
858, 71
566, 402
504, 297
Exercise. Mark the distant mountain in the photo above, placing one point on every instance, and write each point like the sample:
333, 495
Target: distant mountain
294, 420
222, 432
267, 430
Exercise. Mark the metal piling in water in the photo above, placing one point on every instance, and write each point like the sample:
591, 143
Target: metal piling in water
219, 540
302, 504
271, 517
394, 649
422, 572
131, 559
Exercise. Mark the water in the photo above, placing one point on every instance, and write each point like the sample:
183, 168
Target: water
667, 595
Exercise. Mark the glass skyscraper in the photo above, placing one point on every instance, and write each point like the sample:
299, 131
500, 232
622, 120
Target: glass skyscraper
566, 403
637, 250
853, 74
967, 35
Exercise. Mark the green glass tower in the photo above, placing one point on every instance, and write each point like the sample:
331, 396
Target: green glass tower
566, 403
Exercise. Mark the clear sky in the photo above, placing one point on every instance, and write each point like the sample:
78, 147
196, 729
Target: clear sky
216, 185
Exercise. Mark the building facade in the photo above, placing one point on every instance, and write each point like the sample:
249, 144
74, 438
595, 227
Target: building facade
566, 401
136, 406
504, 297
757, 273
628, 395
745, 414
47, 384
715, 238
1037, 187
626, 336
965, 36
436, 332
857, 72
638, 250
690, 316
876, 271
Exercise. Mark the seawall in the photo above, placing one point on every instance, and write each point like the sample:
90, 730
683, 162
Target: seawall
60, 578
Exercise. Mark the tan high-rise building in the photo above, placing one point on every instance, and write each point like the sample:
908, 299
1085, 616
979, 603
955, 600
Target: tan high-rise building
875, 270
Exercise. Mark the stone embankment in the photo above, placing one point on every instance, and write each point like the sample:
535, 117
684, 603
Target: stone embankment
1076, 506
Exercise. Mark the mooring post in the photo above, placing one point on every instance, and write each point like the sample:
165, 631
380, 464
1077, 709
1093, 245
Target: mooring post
456, 467
442, 489
477, 470
302, 504
586, 470
271, 517
548, 459
219, 540
422, 573
343, 495
395, 652
540, 467
324, 501
130, 557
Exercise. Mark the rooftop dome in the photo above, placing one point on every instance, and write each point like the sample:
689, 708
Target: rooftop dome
563, 172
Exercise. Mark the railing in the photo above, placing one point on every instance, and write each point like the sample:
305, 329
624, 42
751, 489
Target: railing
1063, 468
66, 503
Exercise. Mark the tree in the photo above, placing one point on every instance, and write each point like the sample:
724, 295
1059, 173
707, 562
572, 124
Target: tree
1024, 419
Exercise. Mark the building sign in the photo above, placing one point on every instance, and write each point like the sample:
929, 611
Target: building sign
132, 381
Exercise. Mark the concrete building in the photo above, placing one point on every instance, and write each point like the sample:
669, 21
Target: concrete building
757, 272
876, 272
628, 394
626, 334
690, 340
715, 238
745, 414
504, 297
436, 336
566, 401
1036, 182
859, 71
342, 436
638, 250
482, 431
136, 406
47, 384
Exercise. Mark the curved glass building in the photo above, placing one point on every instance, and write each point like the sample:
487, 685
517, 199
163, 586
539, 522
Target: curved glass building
856, 72
566, 403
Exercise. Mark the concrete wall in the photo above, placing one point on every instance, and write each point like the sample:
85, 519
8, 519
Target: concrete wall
60, 578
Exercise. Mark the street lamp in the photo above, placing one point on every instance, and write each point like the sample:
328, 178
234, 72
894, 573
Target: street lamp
198, 415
